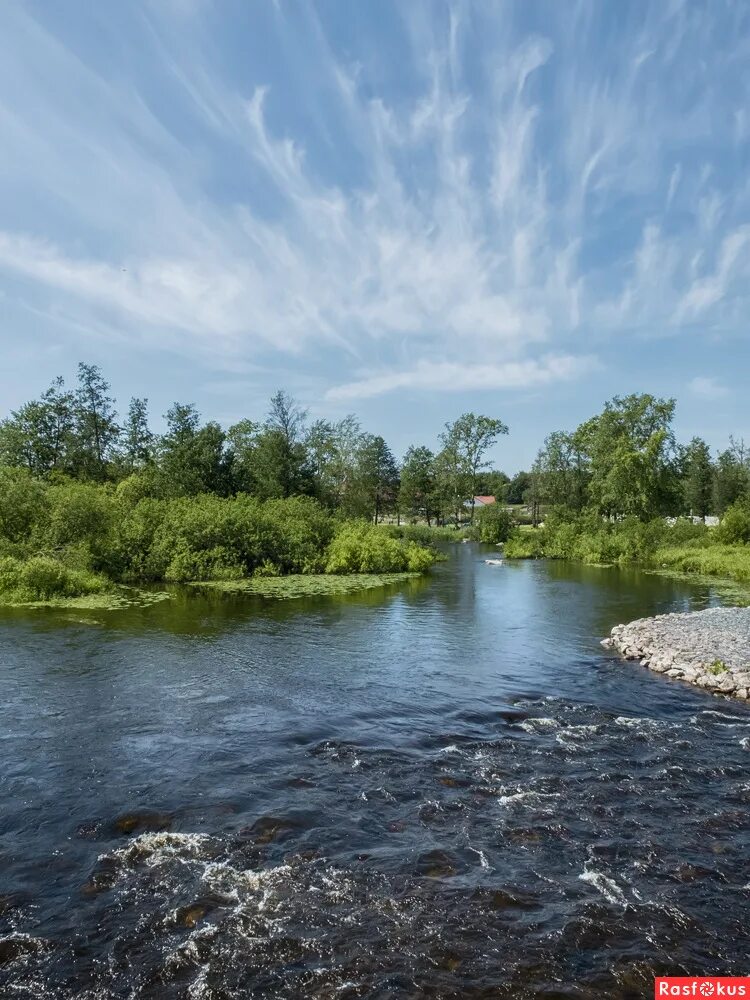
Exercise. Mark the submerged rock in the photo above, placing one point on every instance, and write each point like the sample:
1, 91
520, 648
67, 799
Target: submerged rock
710, 648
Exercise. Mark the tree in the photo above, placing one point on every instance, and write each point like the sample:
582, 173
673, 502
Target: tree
193, 458
242, 441
493, 484
137, 438
731, 476
281, 465
417, 489
561, 471
517, 487
466, 442
698, 478
377, 476
632, 454
40, 436
96, 428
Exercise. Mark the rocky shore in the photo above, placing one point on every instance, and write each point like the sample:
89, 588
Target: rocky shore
710, 648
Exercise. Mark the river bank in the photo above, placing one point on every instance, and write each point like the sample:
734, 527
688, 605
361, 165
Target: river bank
709, 648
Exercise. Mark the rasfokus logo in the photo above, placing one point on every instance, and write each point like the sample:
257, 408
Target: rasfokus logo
702, 986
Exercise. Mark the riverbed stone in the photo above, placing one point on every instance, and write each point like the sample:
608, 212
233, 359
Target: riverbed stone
709, 648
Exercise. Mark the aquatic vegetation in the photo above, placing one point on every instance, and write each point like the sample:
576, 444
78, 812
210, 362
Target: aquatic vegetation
299, 585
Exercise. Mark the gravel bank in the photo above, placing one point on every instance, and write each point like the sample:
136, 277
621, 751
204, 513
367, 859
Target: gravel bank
710, 648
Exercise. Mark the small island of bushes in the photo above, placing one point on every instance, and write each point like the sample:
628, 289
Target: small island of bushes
67, 539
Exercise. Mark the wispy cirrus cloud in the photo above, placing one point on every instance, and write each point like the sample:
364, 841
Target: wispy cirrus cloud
511, 186
452, 376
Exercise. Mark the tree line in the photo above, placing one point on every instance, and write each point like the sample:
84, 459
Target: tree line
626, 462
77, 433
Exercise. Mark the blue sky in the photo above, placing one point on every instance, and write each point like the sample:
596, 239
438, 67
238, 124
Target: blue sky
405, 210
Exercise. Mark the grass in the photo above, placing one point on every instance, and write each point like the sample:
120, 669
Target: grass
729, 561
291, 587
718, 667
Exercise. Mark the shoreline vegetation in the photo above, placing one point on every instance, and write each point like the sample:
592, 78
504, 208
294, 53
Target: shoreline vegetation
620, 490
680, 548
95, 546
90, 504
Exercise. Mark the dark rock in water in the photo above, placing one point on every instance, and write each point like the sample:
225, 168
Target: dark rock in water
504, 899
189, 916
450, 781
436, 864
267, 829
398, 826
16, 946
143, 822
692, 873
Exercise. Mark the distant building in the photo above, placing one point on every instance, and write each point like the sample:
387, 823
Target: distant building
479, 502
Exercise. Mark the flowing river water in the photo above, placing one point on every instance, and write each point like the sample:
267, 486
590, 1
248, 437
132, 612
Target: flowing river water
445, 789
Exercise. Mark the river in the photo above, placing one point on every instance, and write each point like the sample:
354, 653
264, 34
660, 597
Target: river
445, 789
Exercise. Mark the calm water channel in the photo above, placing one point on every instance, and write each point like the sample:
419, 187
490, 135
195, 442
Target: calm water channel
445, 789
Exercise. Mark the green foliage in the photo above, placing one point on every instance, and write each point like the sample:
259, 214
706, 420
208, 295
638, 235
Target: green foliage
718, 667
494, 524
41, 577
525, 544
591, 539
417, 490
734, 528
729, 561
359, 547
23, 503
463, 457
698, 478
423, 533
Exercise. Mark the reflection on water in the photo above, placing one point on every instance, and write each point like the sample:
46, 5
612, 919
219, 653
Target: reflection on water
444, 789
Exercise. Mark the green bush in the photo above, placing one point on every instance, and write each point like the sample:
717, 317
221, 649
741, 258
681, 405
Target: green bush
41, 578
422, 533
734, 528
493, 524
525, 544
23, 504
359, 547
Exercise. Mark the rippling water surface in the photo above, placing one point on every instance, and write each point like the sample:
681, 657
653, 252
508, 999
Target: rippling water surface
447, 789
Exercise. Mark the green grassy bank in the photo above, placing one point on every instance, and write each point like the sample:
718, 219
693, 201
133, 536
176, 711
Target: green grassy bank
680, 547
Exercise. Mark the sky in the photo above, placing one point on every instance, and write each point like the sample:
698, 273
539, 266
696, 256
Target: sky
404, 210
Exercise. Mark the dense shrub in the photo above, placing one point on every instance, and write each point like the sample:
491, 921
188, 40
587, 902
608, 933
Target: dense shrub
591, 539
41, 578
735, 525
23, 503
359, 547
493, 524
76, 530
422, 533
525, 544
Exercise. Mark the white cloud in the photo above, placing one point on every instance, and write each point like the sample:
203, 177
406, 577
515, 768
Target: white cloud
447, 376
509, 198
707, 387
